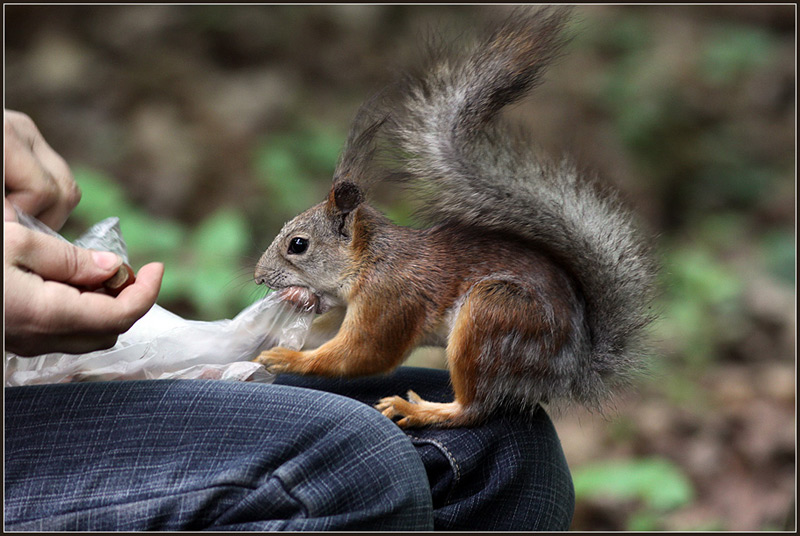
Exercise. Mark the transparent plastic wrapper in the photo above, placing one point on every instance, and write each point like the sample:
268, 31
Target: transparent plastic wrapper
163, 345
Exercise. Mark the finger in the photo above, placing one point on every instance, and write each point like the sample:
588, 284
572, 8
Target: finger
35, 322
68, 195
50, 316
142, 294
28, 183
39, 180
83, 344
54, 259
69, 344
32, 325
99, 313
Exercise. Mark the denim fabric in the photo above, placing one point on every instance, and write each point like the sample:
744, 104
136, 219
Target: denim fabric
509, 474
166, 455
183, 455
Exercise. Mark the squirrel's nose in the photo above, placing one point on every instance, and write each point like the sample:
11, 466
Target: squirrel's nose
260, 275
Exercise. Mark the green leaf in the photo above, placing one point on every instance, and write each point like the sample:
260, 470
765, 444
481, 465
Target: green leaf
200, 266
660, 484
208, 287
644, 521
400, 212
150, 237
221, 237
695, 275
733, 50
145, 236
174, 283
780, 252
209, 265
296, 166
102, 198
290, 189
322, 150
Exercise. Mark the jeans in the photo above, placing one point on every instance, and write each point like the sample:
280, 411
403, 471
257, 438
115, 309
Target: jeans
295, 455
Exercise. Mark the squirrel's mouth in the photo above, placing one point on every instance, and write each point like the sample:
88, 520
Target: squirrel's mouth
302, 298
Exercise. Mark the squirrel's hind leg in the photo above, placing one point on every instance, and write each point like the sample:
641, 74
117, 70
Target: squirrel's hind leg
498, 331
416, 412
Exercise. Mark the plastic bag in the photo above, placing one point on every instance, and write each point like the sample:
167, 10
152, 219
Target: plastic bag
163, 345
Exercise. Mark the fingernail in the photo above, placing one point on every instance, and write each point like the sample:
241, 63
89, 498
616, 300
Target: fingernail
106, 260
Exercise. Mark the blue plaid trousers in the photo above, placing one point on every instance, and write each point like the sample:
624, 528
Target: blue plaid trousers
302, 454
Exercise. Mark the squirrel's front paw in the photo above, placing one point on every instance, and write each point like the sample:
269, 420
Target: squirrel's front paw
278, 360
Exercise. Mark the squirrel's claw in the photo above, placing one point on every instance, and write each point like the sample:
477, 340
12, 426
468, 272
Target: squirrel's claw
413, 397
416, 412
397, 406
277, 360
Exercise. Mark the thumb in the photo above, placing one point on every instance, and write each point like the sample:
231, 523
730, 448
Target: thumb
57, 260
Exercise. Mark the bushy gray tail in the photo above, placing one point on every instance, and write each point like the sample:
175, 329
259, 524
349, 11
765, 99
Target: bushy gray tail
472, 169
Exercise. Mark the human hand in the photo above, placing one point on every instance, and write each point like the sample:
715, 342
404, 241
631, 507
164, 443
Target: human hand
45, 310
37, 179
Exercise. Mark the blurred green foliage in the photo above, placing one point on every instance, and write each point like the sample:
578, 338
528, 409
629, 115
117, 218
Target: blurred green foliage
779, 250
202, 263
292, 166
699, 156
656, 484
702, 302
686, 116
296, 166
734, 50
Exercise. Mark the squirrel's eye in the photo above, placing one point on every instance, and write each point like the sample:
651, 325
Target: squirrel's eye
298, 245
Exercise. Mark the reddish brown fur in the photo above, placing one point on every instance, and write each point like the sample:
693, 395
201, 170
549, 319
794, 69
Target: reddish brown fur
522, 326
405, 282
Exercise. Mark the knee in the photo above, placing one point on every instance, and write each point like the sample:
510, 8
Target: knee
213, 455
346, 467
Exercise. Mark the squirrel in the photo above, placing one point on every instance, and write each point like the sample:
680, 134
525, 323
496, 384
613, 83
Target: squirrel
531, 274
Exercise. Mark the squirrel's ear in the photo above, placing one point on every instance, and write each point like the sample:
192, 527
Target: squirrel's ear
346, 196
